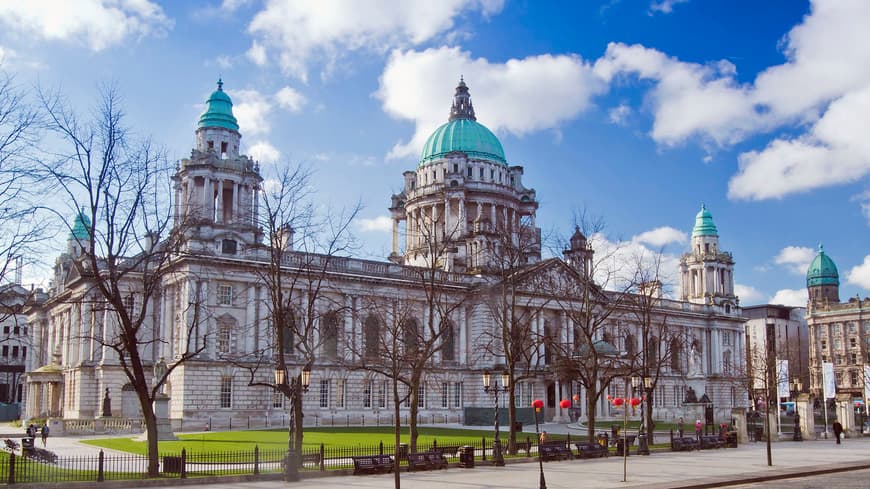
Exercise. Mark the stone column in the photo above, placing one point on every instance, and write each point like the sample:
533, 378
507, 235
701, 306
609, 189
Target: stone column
846, 414
395, 236
804, 409
219, 204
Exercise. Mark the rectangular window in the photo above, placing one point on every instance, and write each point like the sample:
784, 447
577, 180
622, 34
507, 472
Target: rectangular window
824, 345
23, 352
367, 394
324, 393
457, 394
852, 328
445, 394
382, 394
421, 395
225, 295
853, 377
129, 303
226, 392
14, 352
278, 400
469, 171
853, 342
853, 356
6, 330
5, 350
340, 392
530, 394
16, 330
223, 338
407, 402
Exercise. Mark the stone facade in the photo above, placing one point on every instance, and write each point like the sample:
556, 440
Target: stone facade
465, 199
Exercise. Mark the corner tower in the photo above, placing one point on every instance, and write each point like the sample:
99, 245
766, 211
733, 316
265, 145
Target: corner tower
217, 189
823, 279
706, 272
464, 204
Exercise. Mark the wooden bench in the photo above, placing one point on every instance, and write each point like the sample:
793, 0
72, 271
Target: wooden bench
590, 449
448, 450
311, 459
11, 444
623, 443
555, 451
525, 446
372, 464
685, 444
711, 441
426, 461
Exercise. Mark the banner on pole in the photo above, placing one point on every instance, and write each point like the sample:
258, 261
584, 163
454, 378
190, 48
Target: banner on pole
782, 387
830, 388
866, 384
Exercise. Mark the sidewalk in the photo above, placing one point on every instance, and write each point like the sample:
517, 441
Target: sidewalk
708, 468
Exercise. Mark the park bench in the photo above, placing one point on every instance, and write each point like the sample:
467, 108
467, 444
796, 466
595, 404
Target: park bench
555, 451
731, 439
623, 442
426, 461
372, 464
711, 441
448, 450
525, 446
312, 459
590, 449
11, 445
685, 444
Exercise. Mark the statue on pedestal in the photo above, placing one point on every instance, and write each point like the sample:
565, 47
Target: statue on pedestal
159, 373
107, 405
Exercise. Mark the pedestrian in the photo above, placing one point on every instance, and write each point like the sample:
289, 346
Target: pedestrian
544, 437
838, 430
698, 428
44, 433
680, 426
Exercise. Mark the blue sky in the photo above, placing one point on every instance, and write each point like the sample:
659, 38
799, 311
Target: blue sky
634, 110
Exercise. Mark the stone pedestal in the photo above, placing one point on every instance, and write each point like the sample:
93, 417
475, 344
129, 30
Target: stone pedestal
804, 409
164, 425
738, 418
846, 414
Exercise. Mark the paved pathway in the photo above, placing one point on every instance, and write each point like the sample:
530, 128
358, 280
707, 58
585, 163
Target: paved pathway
708, 468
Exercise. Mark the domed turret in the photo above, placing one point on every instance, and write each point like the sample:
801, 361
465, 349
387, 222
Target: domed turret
463, 133
704, 224
219, 110
823, 279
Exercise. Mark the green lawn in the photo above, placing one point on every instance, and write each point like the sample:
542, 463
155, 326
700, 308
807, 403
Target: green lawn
235, 441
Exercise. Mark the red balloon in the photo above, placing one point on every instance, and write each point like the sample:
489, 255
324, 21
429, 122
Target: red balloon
618, 401
564, 404
537, 404
634, 402
576, 397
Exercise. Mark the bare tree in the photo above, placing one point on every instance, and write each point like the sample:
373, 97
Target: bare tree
21, 228
302, 250
120, 187
513, 300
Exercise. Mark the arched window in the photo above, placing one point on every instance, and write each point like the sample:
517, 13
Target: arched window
676, 355
630, 345
371, 333
287, 333
410, 332
448, 342
329, 335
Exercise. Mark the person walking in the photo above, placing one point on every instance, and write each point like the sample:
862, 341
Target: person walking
680, 426
44, 433
838, 430
698, 429
544, 438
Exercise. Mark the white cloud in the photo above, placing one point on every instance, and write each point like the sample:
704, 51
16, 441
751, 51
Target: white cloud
659, 237
664, 6
233, 5
224, 62
860, 275
790, 297
618, 262
300, 30
264, 152
822, 91
377, 224
251, 108
96, 23
290, 99
747, 294
257, 54
796, 258
419, 86
619, 114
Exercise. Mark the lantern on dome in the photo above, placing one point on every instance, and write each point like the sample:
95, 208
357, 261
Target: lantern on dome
564, 404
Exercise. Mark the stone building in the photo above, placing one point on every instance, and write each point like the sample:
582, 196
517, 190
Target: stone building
791, 343
463, 194
14, 345
839, 331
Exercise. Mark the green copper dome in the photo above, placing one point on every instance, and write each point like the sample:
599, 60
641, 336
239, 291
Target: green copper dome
219, 111
463, 133
822, 270
81, 227
704, 224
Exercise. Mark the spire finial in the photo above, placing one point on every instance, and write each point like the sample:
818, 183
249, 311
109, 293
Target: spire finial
821, 248
462, 107
220, 84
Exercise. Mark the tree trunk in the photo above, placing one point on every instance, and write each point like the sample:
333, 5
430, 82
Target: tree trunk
413, 413
297, 419
397, 435
591, 400
512, 418
151, 432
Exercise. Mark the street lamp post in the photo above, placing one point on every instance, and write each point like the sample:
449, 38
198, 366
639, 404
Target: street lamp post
295, 387
538, 405
497, 456
645, 386
797, 386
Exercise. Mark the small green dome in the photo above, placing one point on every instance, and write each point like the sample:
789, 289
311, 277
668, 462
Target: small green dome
81, 227
219, 111
704, 223
822, 270
464, 135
